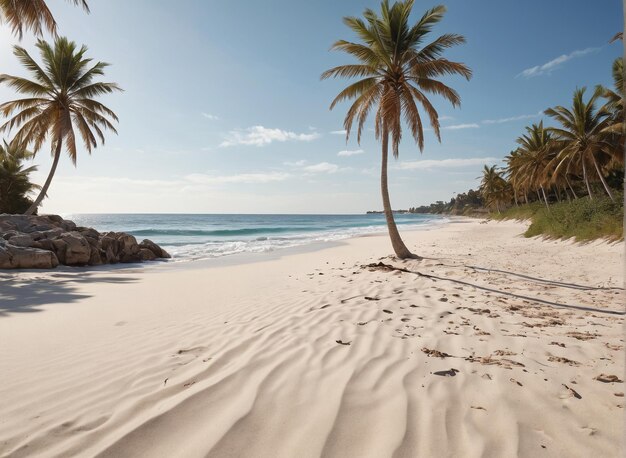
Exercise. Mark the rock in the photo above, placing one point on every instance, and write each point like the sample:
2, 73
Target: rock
53, 233
88, 233
60, 247
156, 249
95, 256
129, 249
14, 257
8, 234
146, 254
44, 244
110, 247
31, 241
23, 240
78, 251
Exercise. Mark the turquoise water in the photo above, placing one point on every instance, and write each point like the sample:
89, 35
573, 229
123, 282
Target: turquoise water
196, 236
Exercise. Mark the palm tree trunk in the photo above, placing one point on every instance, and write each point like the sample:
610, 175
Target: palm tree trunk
570, 187
396, 241
606, 187
586, 179
544, 197
44, 189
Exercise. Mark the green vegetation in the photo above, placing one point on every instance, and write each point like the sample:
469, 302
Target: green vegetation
397, 71
468, 203
15, 185
581, 219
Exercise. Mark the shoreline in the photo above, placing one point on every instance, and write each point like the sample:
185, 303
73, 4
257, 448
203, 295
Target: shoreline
492, 335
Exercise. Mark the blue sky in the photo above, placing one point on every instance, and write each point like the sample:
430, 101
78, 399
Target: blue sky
224, 111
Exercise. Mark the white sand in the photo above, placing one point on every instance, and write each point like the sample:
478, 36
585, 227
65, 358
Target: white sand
244, 361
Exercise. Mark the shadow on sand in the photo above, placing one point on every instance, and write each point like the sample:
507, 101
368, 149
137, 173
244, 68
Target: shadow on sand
516, 295
27, 291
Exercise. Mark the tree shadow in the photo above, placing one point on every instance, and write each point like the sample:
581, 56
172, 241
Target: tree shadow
515, 295
20, 293
556, 283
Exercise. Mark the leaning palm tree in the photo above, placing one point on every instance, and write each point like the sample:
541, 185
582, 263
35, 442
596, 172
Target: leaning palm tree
583, 137
15, 184
396, 71
60, 102
33, 15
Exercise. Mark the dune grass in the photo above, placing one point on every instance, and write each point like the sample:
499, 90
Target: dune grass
581, 219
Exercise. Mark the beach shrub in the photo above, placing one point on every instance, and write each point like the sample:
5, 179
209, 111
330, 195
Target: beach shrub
581, 219
15, 184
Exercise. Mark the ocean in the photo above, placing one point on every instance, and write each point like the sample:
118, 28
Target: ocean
196, 236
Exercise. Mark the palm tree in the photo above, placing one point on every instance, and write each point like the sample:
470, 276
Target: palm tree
535, 152
583, 137
15, 185
494, 188
31, 14
514, 175
615, 101
60, 101
396, 70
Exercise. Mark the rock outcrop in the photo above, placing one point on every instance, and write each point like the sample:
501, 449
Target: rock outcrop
44, 242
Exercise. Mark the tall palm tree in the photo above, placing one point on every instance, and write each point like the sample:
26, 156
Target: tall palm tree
536, 152
583, 137
396, 70
60, 100
33, 15
493, 187
514, 175
15, 184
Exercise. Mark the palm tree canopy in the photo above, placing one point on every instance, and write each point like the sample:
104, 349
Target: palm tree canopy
493, 187
32, 15
535, 152
60, 98
615, 98
396, 69
584, 130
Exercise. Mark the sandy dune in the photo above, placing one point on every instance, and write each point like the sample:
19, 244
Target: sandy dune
488, 348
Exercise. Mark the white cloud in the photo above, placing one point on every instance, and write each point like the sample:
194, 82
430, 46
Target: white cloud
445, 118
322, 167
548, 67
445, 163
338, 132
299, 163
513, 118
210, 116
462, 126
350, 152
259, 136
201, 178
